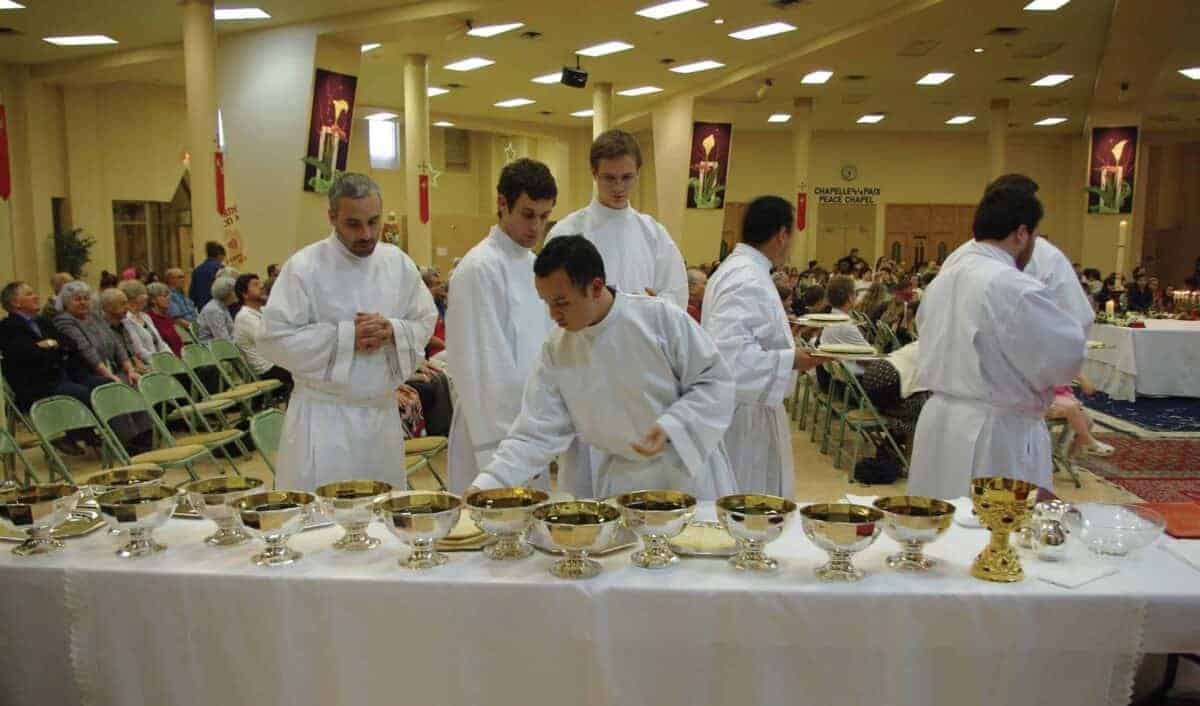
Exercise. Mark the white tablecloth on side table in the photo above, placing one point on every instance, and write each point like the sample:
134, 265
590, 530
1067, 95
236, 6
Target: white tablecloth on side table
1161, 360
197, 626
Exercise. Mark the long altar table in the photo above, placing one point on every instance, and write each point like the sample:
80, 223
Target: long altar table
1161, 360
197, 625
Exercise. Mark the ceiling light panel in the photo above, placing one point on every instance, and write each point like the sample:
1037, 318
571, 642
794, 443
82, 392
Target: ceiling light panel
469, 64
1192, 73
555, 77
432, 91
779, 117
443, 123
239, 13
664, 10
961, 120
1052, 80
871, 118
817, 77
369, 47
80, 40
1045, 5
639, 91
493, 30
697, 66
10, 5
1047, 122
605, 49
935, 78
761, 31
583, 113
514, 103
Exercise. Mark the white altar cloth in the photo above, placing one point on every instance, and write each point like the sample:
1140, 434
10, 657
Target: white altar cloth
1161, 360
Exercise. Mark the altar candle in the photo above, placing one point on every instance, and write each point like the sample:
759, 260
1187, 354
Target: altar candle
1122, 243
1110, 307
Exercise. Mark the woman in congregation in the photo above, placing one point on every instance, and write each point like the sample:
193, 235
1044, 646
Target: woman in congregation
214, 320
89, 337
158, 309
144, 337
875, 301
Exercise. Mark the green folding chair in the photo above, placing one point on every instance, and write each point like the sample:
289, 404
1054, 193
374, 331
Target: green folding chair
164, 392
54, 416
861, 417
420, 451
198, 357
184, 329
10, 449
266, 429
1060, 446
885, 338
228, 353
114, 399
12, 415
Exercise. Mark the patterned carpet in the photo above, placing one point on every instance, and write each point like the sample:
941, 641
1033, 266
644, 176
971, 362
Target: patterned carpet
1156, 470
1149, 414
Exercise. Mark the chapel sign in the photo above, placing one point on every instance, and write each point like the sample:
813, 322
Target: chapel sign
847, 195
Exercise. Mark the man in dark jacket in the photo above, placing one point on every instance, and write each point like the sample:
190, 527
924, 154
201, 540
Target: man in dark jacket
202, 277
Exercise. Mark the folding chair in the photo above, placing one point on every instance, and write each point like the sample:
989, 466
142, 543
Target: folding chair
199, 357
420, 451
115, 399
266, 428
1060, 445
184, 330
228, 353
12, 415
165, 392
10, 449
59, 414
863, 419
885, 338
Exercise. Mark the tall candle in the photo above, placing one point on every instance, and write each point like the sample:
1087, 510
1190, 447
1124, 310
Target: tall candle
1122, 242
1110, 307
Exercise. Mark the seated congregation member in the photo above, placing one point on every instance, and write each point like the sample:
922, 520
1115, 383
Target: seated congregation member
113, 308
697, 281
159, 310
1067, 406
57, 280
214, 320
813, 301
36, 363
875, 301
247, 327
437, 289
891, 385
432, 388
139, 328
182, 307
633, 376
91, 338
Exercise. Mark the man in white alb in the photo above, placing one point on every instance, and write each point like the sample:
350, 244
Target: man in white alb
639, 255
746, 319
495, 323
350, 320
633, 376
993, 346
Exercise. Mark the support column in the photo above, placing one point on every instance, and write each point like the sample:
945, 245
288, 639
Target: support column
416, 155
200, 70
602, 97
671, 123
998, 139
806, 246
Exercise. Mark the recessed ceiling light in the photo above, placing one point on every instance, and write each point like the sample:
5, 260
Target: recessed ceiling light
10, 5
493, 30
470, 64
817, 77
583, 113
369, 47
80, 40
670, 9
695, 66
240, 13
719, 21
382, 116
767, 30
605, 48
1192, 73
871, 118
1052, 79
443, 123
514, 103
978, 50
1046, 122
935, 78
779, 117
555, 77
432, 91
639, 91
1045, 5
960, 120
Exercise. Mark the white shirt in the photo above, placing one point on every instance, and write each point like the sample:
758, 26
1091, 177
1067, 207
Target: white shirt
646, 362
342, 419
993, 346
495, 328
638, 252
144, 336
246, 328
746, 319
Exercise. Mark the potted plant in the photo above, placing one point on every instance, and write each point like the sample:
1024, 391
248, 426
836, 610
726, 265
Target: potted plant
72, 250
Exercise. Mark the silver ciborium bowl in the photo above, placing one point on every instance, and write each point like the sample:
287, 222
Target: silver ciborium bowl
754, 520
274, 516
35, 511
842, 530
351, 505
138, 511
507, 514
913, 522
657, 516
123, 477
420, 519
576, 528
213, 499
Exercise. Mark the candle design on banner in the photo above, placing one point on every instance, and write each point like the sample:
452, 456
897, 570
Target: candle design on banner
329, 128
1110, 185
710, 150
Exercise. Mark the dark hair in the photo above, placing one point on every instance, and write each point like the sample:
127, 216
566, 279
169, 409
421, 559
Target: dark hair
927, 278
1014, 181
812, 264
813, 296
526, 176
840, 291
764, 217
214, 249
612, 144
573, 253
9, 293
107, 280
272, 270
242, 283
1004, 209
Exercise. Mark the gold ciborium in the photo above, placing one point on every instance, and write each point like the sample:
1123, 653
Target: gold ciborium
578, 527
753, 521
352, 504
842, 530
212, 499
1002, 505
36, 510
657, 516
914, 521
507, 514
421, 519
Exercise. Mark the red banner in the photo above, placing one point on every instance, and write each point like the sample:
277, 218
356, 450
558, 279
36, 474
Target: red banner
220, 161
801, 210
423, 181
5, 176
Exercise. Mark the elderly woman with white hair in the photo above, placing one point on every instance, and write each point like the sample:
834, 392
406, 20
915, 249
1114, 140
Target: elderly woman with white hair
143, 336
214, 320
89, 337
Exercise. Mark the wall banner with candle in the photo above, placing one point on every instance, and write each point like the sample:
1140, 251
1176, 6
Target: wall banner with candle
329, 125
708, 164
1111, 170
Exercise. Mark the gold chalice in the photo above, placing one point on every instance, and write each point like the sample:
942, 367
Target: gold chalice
351, 504
914, 521
139, 510
1002, 505
36, 510
506, 513
657, 516
578, 527
753, 521
842, 530
274, 516
132, 476
420, 519
212, 499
